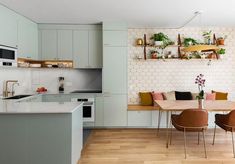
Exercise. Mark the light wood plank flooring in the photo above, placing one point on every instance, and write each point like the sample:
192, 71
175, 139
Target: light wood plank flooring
144, 146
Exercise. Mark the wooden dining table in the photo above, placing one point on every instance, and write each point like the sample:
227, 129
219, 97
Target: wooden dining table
170, 106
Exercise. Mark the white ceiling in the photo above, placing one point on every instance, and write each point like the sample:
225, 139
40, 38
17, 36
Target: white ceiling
137, 13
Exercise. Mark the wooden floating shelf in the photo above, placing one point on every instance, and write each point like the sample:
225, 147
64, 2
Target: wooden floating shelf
155, 46
182, 49
29, 63
200, 48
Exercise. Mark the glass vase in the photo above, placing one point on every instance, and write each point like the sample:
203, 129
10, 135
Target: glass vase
201, 103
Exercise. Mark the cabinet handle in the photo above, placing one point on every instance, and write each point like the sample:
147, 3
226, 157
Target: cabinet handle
106, 44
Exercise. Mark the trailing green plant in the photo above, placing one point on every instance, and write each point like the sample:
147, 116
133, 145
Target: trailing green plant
221, 51
207, 34
160, 37
164, 38
190, 41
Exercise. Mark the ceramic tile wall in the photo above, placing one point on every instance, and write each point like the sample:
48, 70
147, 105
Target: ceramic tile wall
31, 79
157, 75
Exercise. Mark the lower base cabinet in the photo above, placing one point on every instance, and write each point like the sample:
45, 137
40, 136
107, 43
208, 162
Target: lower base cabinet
115, 110
139, 118
99, 111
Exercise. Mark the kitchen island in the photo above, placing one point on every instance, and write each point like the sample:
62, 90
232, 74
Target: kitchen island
40, 132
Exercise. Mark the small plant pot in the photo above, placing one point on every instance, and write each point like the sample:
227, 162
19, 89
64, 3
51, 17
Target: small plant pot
221, 56
154, 56
158, 43
203, 56
220, 41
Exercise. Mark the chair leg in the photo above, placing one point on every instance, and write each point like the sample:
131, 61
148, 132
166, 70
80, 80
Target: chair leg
159, 120
198, 138
233, 144
204, 142
185, 156
214, 135
171, 133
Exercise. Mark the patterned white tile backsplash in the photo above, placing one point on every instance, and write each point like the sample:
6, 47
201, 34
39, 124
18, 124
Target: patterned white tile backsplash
159, 75
31, 79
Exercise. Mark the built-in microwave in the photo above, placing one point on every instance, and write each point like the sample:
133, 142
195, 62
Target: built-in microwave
8, 56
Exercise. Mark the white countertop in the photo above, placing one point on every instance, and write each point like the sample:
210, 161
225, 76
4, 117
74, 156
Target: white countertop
13, 107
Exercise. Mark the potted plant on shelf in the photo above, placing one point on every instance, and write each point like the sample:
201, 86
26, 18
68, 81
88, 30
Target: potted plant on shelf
221, 53
161, 39
200, 81
189, 41
154, 54
207, 36
220, 40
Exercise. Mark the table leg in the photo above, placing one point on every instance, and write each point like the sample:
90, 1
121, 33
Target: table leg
167, 128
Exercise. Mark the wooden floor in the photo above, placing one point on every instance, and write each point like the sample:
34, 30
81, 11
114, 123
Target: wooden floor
144, 146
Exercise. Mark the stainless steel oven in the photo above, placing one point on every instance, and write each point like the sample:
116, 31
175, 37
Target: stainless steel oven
88, 108
8, 56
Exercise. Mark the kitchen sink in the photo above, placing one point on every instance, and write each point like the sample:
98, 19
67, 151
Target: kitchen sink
16, 97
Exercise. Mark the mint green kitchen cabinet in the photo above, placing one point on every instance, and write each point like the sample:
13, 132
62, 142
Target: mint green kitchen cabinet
115, 38
8, 27
95, 49
65, 44
56, 98
80, 48
139, 118
115, 110
87, 48
114, 26
115, 70
99, 111
49, 44
114, 82
27, 39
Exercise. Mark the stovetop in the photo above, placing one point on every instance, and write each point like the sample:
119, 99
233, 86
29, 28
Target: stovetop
88, 91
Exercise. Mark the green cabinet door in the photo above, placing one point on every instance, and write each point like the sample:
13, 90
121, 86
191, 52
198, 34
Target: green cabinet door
65, 44
95, 49
115, 110
80, 49
49, 44
8, 27
27, 39
115, 38
99, 111
115, 70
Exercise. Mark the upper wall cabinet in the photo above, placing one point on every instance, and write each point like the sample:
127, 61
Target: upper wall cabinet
80, 43
27, 39
49, 44
56, 44
95, 49
80, 49
18, 31
115, 38
65, 44
87, 48
8, 27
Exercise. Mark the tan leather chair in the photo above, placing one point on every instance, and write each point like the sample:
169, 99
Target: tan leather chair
226, 122
191, 120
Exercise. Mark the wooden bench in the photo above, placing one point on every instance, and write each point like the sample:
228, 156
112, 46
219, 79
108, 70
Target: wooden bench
138, 107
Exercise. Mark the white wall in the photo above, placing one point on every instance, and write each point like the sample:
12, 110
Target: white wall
31, 79
157, 75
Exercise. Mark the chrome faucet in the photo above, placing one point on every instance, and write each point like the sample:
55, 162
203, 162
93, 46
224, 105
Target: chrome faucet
6, 92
